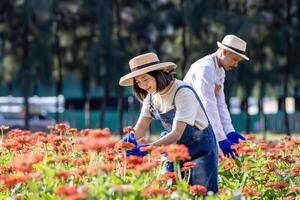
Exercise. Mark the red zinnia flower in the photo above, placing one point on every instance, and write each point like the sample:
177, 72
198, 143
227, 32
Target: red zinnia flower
150, 191
72, 131
128, 129
61, 127
124, 145
295, 189
277, 185
63, 174
248, 191
250, 137
198, 190
177, 152
71, 192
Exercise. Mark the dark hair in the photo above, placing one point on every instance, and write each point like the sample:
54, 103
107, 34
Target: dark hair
163, 79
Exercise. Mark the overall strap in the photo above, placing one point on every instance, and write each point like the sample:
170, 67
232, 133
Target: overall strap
151, 106
197, 97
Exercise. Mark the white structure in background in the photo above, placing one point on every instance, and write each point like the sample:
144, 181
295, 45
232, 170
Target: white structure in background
42, 104
235, 105
12, 111
270, 105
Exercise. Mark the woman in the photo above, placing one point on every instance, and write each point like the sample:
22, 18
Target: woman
180, 111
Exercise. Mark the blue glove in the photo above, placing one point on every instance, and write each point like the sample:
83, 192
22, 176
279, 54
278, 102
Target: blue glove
225, 145
136, 151
129, 138
234, 137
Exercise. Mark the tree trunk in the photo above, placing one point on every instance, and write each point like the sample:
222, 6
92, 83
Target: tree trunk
58, 82
87, 112
121, 89
25, 71
183, 43
262, 117
286, 71
106, 27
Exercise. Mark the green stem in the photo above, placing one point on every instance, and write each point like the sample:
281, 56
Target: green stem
124, 175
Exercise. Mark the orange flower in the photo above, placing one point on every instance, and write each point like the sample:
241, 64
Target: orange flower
124, 145
288, 198
24, 163
133, 161
248, 191
72, 192
151, 191
189, 164
85, 132
10, 181
250, 137
295, 189
93, 169
147, 166
277, 185
269, 166
61, 127
128, 129
171, 175
147, 148
93, 144
63, 174
72, 131
198, 190
99, 133
108, 167
177, 152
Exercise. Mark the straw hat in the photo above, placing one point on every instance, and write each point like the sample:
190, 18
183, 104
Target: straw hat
143, 64
235, 45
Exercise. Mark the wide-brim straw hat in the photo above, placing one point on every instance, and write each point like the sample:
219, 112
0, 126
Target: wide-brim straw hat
143, 64
235, 45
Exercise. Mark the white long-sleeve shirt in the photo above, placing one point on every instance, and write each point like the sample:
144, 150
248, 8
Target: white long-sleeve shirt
207, 78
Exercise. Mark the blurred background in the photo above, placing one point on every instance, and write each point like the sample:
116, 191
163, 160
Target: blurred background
61, 60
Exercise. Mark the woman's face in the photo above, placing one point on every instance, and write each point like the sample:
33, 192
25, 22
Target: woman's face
146, 82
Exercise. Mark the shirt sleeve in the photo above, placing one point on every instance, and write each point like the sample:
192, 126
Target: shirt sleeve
145, 110
224, 113
185, 102
203, 83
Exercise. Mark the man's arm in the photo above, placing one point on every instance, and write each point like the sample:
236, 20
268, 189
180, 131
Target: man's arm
223, 111
203, 83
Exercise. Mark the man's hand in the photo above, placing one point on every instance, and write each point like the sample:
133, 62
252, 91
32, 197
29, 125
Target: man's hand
225, 145
234, 137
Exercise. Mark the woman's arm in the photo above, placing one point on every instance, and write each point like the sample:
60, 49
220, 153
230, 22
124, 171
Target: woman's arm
175, 135
141, 126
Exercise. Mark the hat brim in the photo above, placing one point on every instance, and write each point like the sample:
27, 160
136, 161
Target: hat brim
220, 45
127, 80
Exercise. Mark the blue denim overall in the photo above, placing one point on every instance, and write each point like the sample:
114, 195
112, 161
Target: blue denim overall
202, 146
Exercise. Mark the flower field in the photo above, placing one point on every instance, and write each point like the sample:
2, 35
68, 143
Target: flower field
89, 164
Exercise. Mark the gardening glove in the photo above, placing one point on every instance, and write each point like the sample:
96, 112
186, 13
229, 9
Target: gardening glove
136, 151
234, 137
129, 138
225, 145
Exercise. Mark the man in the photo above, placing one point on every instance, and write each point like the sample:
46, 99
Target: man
207, 77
